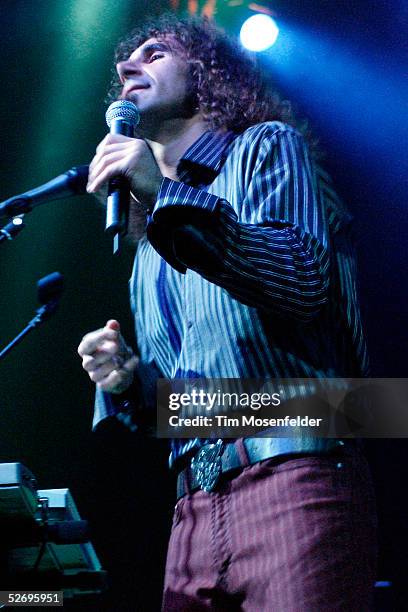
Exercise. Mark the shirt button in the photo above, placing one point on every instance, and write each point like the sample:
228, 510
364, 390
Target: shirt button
190, 324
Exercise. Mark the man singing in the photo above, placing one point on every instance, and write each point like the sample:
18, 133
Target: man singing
244, 269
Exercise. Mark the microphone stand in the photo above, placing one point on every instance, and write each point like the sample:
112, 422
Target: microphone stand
42, 314
49, 293
73, 182
12, 229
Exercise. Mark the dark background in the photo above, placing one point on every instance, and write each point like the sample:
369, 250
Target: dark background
342, 64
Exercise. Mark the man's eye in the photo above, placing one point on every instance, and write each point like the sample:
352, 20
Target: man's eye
155, 56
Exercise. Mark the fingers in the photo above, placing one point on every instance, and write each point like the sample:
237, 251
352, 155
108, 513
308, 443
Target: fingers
99, 347
105, 339
117, 382
117, 379
99, 372
113, 324
120, 379
113, 156
111, 139
99, 358
112, 165
107, 359
130, 158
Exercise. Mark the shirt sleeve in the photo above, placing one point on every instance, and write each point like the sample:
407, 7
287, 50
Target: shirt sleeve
135, 408
280, 262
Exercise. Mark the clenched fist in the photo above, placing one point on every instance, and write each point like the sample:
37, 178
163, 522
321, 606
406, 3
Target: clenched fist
107, 358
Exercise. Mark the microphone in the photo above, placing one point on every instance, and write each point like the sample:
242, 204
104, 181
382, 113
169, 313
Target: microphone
122, 117
49, 291
73, 182
50, 288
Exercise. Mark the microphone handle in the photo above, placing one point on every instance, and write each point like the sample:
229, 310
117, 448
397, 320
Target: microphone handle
117, 203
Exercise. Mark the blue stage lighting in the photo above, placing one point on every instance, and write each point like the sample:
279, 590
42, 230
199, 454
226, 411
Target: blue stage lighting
259, 32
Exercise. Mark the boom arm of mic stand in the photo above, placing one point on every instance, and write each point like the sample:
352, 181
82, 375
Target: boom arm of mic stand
42, 314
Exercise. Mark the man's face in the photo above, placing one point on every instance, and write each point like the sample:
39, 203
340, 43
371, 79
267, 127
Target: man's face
154, 78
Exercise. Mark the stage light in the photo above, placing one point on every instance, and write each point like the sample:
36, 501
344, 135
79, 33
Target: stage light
259, 32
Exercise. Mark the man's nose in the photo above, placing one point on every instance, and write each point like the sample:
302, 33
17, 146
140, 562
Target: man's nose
127, 69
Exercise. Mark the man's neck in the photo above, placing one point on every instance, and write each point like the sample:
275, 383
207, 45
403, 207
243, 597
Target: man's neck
173, 141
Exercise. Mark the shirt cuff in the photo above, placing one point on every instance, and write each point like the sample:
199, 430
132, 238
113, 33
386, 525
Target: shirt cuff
178, 205
110, 405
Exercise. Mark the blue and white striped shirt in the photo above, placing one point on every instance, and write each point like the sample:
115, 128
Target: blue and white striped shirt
247, 269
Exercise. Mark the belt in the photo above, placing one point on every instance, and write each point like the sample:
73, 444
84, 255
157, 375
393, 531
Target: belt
212, 460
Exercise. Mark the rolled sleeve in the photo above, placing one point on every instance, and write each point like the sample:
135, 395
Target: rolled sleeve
176, 205
281, 261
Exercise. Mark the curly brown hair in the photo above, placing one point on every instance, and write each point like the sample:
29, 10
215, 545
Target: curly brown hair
225, 81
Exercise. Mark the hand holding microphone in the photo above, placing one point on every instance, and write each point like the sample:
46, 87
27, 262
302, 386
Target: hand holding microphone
125, 164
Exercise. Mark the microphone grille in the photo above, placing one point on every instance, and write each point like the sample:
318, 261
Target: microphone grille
122, 109
50, 287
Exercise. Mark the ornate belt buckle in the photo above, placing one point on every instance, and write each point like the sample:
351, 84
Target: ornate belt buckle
206, 465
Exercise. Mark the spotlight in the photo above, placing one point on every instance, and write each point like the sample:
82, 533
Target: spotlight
259, 32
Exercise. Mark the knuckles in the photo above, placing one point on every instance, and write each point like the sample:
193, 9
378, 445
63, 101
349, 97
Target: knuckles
94, 341
134, 150
111, 139
93, 376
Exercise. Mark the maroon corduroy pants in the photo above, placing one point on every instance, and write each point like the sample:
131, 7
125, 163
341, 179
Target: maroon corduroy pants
292, 536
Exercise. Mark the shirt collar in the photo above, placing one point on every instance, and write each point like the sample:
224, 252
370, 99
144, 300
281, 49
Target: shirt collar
203, 160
